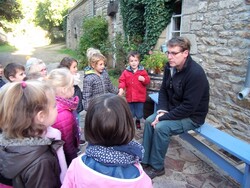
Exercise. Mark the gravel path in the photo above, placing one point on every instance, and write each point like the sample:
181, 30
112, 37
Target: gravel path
49, 54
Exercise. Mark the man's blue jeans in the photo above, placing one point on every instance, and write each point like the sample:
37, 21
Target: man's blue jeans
156, 140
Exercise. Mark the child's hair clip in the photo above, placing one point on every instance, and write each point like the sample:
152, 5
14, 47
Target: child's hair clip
23, 84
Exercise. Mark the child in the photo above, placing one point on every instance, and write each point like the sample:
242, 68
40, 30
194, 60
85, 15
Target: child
27, 157
71, 64
134, 80
14, 72
35, 69
111, 158
1, 76
96, 80
63, 83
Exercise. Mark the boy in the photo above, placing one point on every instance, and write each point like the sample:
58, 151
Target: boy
134, 80
14, 72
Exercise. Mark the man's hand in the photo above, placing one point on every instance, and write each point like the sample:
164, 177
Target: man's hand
153, 124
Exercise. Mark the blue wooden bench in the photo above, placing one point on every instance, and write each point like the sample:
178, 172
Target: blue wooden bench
234, 146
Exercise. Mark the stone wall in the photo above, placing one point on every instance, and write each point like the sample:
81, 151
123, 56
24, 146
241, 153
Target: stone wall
219, 31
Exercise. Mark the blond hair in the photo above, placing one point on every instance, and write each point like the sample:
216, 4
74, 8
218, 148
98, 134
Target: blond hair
94, 56
20, 103
91, 51
59, 78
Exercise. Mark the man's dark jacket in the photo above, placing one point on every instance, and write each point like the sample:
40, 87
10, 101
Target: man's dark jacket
185, 94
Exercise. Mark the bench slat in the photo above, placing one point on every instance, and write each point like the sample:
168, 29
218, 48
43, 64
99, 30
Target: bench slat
154, 97
225, 141
214, 157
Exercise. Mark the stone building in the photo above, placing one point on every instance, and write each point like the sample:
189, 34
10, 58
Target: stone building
89, 8
219, 31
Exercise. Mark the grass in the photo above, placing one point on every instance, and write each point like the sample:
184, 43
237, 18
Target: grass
71, 53
7, 48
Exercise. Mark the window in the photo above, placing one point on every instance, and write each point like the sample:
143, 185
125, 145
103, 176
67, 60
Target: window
174, 28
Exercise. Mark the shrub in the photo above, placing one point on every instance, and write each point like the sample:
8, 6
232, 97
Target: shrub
122, 46
95, 35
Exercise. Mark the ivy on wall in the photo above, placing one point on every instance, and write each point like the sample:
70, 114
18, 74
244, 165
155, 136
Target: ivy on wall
147, 19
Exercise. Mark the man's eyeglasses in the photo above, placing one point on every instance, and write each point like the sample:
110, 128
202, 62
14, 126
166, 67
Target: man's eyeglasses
173, 53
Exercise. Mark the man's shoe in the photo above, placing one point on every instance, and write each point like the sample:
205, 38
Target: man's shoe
152, 173
145, 166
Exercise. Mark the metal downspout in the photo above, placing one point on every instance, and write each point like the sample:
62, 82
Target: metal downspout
245, 91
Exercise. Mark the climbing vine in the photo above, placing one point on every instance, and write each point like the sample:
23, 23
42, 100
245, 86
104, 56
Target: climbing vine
147, 19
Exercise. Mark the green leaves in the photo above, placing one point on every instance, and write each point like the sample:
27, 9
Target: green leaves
10, 11
50, 13
154, 60
146, 18
95, 35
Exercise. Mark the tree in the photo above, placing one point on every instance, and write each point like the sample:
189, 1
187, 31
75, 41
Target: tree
50, 13
9, 12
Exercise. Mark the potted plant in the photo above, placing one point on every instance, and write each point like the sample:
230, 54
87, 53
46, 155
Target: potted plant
155, 61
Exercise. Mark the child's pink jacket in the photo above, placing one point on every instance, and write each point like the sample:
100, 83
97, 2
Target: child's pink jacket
56, 134
81, 176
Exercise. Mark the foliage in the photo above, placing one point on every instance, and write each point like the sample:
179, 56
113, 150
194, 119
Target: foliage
122, 46
114, 73
9, 12
114, 76
133, 13
64, 25
50, 14
147, 19
155, 61
7, 48
95, 35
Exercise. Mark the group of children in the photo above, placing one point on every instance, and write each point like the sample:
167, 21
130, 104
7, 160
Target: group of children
42, 110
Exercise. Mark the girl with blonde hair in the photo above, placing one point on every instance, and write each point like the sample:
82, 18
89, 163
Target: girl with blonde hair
96, 79
63, 83
28, 158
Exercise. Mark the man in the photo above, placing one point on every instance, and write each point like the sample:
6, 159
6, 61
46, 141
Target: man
182, 105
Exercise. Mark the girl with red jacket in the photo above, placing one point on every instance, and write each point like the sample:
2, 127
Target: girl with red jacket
134, 80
